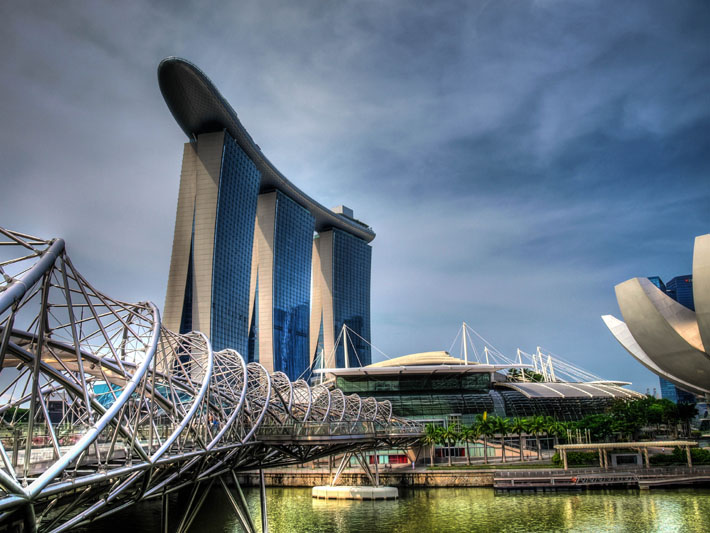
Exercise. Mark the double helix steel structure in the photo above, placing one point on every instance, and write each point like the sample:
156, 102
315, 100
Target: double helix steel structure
102, 407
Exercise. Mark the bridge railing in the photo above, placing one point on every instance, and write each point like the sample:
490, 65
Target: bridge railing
331, 429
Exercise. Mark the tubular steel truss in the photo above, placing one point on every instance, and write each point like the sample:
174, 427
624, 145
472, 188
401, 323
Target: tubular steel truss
102, 407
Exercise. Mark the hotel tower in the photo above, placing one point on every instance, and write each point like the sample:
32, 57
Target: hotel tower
257, 265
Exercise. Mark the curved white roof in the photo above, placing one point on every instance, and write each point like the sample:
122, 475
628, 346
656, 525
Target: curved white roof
570, 390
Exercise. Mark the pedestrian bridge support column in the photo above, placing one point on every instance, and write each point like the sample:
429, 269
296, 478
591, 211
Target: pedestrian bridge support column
262, 497
239, 505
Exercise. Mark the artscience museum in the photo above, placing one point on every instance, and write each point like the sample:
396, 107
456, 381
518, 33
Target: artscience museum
665, 336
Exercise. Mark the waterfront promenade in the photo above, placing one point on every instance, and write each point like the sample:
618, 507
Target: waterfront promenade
543, 477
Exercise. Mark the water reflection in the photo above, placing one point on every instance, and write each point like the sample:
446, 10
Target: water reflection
449, 511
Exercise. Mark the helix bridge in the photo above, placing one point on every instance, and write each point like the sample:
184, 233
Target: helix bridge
101, 407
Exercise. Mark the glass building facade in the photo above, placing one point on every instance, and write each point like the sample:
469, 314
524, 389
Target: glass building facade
425, 396
293, 242
680, 289
234, 234
231, 265
441, 396
352, 259
658, 282
674, 394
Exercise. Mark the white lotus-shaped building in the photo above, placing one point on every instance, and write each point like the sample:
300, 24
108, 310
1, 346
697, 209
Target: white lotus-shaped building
666, 337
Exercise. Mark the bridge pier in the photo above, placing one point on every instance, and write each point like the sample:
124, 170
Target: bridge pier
262, 497
374, 492
164, 525
190, 515
377, 470
240, 508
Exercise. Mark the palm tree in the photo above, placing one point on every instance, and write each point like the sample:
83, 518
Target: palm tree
450, 435
556, 429
469, 434
519, 426
502, 425
537, 426
431, 438
487, 430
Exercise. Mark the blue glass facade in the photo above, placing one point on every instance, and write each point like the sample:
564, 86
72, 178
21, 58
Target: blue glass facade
234, 231
674, 394
352, 258
285, 272
293, 242
658, 282
680, 289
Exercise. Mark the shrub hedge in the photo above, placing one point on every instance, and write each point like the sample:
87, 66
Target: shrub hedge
700, 456
577, 459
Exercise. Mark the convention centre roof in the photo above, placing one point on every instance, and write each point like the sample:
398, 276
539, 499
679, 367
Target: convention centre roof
419, 363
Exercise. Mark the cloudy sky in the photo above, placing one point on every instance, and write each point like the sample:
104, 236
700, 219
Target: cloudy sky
517, 159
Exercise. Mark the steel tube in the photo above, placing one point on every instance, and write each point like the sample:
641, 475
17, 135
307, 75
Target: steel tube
16, 290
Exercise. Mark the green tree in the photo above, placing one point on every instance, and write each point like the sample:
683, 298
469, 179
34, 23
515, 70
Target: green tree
655, 414
599, 426
526, 375
628, 417
555, 428
686, 412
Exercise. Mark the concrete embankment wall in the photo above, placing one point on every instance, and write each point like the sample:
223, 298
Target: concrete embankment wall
305, 478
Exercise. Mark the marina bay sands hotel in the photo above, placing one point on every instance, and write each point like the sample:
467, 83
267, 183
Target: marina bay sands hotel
257, 264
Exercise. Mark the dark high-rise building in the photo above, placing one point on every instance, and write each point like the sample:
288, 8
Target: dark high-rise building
680, 289
280, 291
674, 394
208, 285
241, 263
341, 295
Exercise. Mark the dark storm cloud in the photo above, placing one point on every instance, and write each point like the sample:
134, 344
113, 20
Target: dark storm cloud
517, 159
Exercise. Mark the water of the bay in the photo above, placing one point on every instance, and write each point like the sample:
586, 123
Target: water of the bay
445, 510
